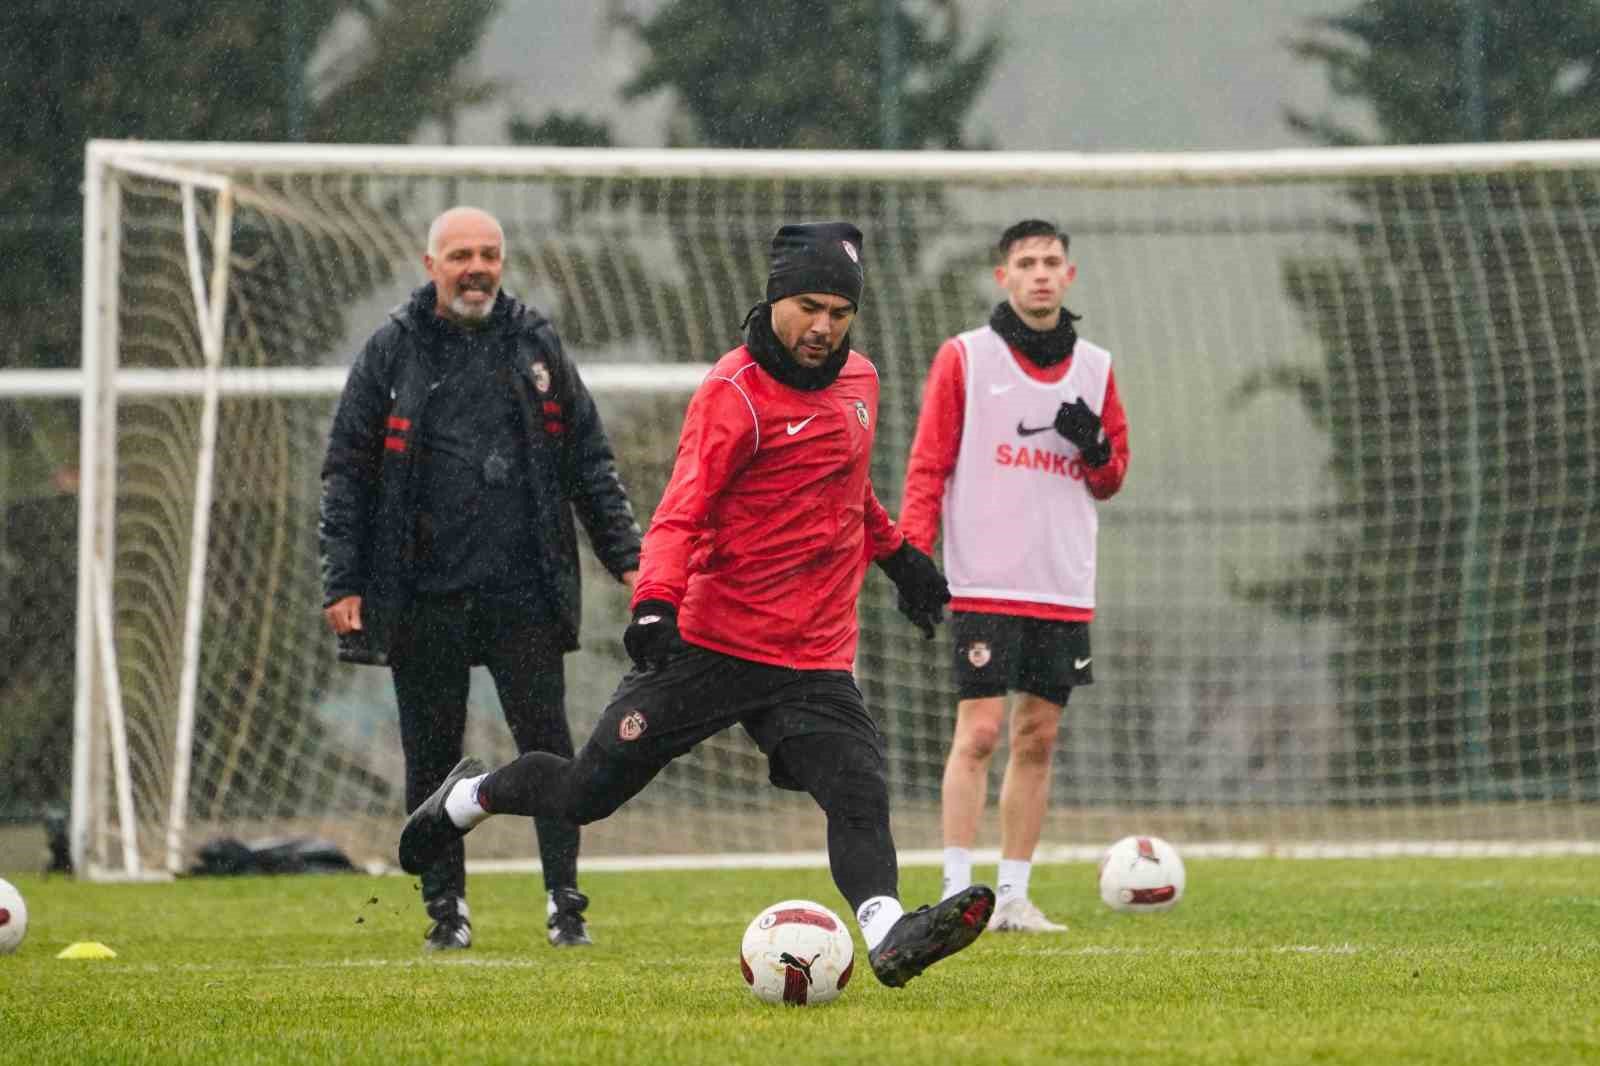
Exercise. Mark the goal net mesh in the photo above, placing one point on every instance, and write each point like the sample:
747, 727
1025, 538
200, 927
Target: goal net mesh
1348, 593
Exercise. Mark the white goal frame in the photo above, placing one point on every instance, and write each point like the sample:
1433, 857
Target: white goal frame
195, 168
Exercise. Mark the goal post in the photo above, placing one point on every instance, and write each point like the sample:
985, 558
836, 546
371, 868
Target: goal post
1347, 596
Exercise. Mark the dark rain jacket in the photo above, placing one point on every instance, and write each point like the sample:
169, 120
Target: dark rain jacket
370, 512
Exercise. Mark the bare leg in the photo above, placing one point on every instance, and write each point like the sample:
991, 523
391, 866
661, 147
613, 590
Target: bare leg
966, 770
1025, 790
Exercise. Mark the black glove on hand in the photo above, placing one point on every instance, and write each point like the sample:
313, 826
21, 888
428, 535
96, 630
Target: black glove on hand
923, 590
652, 637
1077, 422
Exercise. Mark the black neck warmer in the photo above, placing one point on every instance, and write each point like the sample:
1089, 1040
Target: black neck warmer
774, 358
1042, 347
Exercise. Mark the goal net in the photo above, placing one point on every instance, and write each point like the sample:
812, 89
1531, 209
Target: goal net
1349, 594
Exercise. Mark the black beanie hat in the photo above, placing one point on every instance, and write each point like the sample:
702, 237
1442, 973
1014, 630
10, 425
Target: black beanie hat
816, 257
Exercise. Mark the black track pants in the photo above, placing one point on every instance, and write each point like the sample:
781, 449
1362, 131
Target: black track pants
434, 649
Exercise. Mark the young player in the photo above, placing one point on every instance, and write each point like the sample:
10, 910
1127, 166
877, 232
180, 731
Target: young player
1020, 417
745, 609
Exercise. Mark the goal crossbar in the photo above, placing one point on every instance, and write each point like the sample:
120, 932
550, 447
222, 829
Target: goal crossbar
987, 168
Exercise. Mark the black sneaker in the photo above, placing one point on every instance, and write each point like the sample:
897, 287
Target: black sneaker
566, 924
451, 930
429, 829
926, 935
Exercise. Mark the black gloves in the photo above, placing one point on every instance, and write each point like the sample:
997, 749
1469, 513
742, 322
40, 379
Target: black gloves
1081, 426
652, 637
923, 590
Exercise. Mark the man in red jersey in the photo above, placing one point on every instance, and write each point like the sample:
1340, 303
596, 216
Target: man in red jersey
745, 608
1020, 418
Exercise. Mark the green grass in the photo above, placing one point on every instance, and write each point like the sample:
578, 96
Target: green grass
1374, 962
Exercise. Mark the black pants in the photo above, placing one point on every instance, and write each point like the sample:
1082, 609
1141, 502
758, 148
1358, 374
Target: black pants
436, 644
812, 725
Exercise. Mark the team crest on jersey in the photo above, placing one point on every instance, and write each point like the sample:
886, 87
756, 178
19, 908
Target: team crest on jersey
978, 654
861, 413
541, 377
632, 727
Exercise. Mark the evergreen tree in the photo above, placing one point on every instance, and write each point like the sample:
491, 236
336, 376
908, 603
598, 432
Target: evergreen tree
778, 74
1463, 559
221, 70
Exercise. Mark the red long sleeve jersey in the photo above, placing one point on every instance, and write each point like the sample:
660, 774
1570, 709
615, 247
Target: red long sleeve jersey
938, 444
769, 521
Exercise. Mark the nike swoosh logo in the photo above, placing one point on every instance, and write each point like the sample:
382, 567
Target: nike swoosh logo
1079, 664
1024, 431
796, 427
996, 390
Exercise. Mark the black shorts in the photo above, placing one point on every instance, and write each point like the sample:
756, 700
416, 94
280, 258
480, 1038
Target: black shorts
659, 714
1000, 653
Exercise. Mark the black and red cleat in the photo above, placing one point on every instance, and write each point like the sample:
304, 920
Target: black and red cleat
926, 935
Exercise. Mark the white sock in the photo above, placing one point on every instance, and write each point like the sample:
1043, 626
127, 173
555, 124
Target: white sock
462, 803
1013, 879
875, 916
957, 871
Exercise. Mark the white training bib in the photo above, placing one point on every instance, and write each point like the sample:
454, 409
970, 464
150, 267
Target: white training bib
1019, 523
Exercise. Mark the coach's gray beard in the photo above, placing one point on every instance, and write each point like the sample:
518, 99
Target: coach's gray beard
471, 313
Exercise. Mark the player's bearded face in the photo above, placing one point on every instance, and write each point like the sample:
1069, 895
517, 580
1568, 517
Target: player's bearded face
812, 325
1036, 275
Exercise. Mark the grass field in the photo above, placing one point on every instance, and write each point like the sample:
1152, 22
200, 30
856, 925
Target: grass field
1274, 961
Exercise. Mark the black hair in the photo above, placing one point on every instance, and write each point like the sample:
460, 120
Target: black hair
1021, 231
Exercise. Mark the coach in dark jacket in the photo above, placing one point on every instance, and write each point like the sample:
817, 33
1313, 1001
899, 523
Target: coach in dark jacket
462, 445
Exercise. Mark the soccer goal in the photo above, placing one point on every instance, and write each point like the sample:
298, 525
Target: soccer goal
1349, 596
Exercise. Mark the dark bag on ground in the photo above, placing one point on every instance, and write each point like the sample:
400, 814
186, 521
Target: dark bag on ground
226, 856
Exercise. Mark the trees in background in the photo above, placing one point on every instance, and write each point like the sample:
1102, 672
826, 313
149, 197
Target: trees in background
778, 74
1437, 71
227, 70
222, 70
1459, 382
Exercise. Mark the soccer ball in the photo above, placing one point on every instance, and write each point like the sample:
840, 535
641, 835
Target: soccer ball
797, 952
13, 918
1141, 874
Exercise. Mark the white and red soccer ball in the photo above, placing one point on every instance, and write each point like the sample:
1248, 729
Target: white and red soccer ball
1141, 874
798, 953
13, 918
